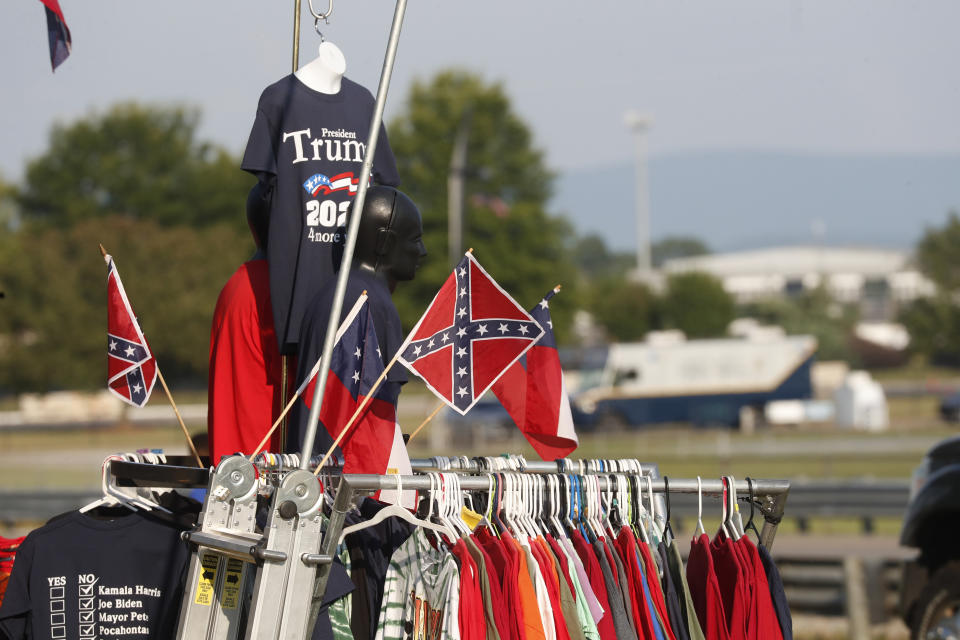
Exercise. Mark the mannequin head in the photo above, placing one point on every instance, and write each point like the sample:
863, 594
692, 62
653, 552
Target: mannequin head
258, 213
324, 73
389, 241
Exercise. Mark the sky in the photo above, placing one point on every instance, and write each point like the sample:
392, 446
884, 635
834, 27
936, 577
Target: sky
838, 77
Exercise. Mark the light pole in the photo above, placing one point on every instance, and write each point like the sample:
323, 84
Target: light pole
639, 124
456, 177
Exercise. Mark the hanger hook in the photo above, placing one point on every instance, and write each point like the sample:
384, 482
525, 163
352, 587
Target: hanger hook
321, 16
666, 495
752, 498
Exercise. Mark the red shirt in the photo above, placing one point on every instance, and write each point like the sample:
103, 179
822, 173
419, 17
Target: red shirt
473, 626
705, 591
768, 625
244, 381
550, 578
733, 587
497, 602
626, 545
505, 563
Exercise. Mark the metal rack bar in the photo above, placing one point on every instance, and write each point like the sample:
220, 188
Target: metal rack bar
352, 229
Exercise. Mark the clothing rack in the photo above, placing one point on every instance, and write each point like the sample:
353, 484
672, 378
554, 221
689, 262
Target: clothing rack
771, 493
770, 496
297, 550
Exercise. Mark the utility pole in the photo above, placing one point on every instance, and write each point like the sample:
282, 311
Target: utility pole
456, 179
639, 124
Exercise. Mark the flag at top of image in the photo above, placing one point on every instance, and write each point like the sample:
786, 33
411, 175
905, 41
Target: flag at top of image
468, 336
131, 367
58, 33
533, 393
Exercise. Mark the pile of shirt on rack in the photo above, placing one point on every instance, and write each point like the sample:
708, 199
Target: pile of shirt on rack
565, 583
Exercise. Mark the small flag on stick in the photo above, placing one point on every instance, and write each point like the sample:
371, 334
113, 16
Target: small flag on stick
131, 367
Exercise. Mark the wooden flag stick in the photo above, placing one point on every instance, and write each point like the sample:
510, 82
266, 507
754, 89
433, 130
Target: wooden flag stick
276, 424
424, 423
356, 414
186, 434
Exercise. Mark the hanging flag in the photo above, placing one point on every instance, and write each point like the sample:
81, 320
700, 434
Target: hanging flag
533, 393
355, 366
131, 367
468, 336
57, 32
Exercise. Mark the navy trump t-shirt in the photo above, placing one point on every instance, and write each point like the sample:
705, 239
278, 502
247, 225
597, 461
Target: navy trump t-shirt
311, 146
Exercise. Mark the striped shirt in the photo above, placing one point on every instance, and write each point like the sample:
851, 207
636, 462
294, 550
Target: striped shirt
421, 598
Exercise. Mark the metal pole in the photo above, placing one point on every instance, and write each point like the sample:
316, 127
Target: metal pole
640, 124
284, 361
455, 190
351, 239
296, 34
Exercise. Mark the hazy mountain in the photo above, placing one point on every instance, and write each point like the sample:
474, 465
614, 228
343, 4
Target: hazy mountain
738, 200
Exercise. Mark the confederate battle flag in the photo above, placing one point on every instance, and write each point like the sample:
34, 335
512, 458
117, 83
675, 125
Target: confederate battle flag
131, 367
468, 336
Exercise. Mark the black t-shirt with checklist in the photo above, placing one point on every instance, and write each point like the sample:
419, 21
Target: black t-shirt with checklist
80, 577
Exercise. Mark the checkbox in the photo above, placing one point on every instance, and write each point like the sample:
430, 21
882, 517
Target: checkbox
58, 618
86, 616
58, 632
86, 589
56, 605
87, 629
56, 593
86, 604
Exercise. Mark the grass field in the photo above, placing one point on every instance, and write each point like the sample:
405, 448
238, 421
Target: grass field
71, 458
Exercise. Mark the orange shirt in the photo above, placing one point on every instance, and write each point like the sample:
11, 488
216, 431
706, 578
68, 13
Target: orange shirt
533, 628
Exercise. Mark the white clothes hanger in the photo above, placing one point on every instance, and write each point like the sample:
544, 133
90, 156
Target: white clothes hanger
114, 495
700, 530
736, 523
108, 499
397, 511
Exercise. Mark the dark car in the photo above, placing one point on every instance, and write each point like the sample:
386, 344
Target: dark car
950, 407
930, 591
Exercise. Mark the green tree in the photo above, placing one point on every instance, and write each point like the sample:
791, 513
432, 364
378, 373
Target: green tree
938, 254
626, 310
676, 247
140, 162
934, 327
53, 328
934, 323
507, 188
813, 313
8, 209
594, 260
697, 304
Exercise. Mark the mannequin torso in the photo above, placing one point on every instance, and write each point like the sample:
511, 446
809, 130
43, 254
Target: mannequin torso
324, 72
